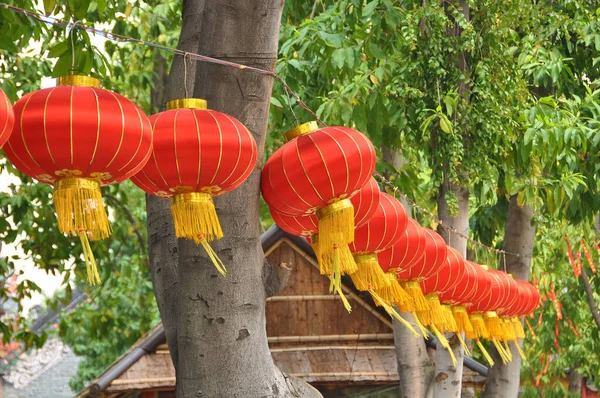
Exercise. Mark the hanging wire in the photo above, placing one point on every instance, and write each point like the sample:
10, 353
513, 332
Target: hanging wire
203, 58
185, 75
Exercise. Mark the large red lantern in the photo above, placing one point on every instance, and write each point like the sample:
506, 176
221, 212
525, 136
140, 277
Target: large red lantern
7, 118
79, 137
436, 254
197, 154
365, 204
316, 172
407, 252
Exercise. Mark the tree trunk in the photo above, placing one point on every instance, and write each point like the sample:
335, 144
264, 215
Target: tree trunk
519, 237
448, 379
575, 381
415, 368
216, 325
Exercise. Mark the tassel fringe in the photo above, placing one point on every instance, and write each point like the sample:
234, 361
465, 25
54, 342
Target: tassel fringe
463, 344
519, 350
394, 293
338, 258
420, 326
479, 329
195, 217
213, 256
493, 325
339, 292
369, 275
414, 291
336, 231
449, 322
391, 311
463, 324
434, 315
444, 341
78, 204
90, 262
501, 351
518, 327
486, 355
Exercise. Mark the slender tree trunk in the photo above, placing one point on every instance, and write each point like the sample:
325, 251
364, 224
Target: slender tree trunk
519, 237
415, 368
448, 379
215, 325
575, 381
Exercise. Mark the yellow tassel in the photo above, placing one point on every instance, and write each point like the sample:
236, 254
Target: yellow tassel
479, 329
336, 229
507, 349
414, 291
78, 204
493, 325
486, 355
338, 257
339, 292
90, 262
213, 256
394, 293
194, 216
442, 339
508, 330
369, 275
521, 353
501, 351
518, 327
463, 324
391, 311
336, 277
434, 315
463, 344
449, 322
420, 326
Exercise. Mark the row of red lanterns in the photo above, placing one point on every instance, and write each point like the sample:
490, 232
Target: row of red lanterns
79, 137
319, 185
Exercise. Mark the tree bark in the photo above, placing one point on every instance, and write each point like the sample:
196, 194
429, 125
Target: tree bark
519, 237
221, 334
415, 368
448, 379
575, 381
215, 326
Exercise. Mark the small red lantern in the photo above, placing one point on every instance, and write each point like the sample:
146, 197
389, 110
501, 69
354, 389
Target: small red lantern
384, 229
436, 254
407, 252
317, 171
79, 137
445, 279
197, 154
460, 295
7, 118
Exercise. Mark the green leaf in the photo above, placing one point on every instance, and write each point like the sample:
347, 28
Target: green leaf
368, 10
339, 57
58, 49
49, 6
376, 51
445, 124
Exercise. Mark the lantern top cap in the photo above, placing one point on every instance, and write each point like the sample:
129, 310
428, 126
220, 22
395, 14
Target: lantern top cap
187, 103
302, 129
78, 81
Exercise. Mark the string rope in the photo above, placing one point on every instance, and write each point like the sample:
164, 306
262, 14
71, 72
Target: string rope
203, 58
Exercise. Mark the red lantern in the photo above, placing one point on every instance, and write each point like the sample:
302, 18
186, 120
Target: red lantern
78, 137
460, 295
365, 204
407, 252
445, 279
436, 254
317, 171
7, 118
384, 229
197, 154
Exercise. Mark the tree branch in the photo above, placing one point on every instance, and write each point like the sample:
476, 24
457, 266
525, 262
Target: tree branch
590, 296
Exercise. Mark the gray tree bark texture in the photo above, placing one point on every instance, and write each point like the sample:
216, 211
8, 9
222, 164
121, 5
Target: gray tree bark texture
415, 368
448, 378
575, 381
215, 325
519, 237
